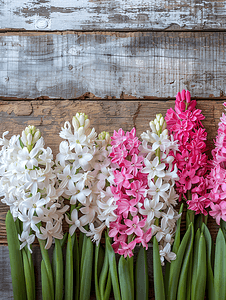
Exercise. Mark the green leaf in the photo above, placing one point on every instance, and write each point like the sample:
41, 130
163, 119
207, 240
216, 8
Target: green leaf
182, 286
83, 252
16, 263
31, 265
124, 279
46, 289
59, 278
201, 270
21, 143
80, 243
219, 267
198, 221
189, 277
131, 272
175, 248
76, 268
64, 239
108, 287
48, 267
176, 243
210, 279
28, 278
69, 270
157, 269
113, 268
104, 275
223, 227
141, 275
175, 268
97, 290
195, 264
86, 270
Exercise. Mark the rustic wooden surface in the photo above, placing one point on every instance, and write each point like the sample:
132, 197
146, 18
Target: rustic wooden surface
121, 62
111, 64
112, 14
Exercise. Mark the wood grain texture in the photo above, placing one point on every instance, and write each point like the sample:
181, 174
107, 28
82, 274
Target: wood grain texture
49, 116
121, 65
112, 14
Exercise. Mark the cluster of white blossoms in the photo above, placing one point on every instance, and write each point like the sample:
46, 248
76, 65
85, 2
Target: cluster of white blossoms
161, 197
27, 185
84, 176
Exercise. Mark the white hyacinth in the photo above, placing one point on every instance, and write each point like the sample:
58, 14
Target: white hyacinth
161, 196
27, 185
84, 173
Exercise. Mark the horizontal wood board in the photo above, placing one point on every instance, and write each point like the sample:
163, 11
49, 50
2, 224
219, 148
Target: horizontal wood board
119, 65
49, 116
112, 15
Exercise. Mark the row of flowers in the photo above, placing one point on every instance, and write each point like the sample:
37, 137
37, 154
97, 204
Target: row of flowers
120, 184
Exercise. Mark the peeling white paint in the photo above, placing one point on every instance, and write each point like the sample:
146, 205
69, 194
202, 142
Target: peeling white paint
112, 14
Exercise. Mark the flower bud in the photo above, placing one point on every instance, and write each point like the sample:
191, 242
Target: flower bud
161, 121
37, 136
30, 136
105, 136
75, 123
157, 127
29, 139
188, 96
158, 117
183, 95
152, 126
164, 125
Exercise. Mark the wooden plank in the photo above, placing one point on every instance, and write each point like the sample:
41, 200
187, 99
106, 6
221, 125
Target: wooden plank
121, 65
112, 14
49, 116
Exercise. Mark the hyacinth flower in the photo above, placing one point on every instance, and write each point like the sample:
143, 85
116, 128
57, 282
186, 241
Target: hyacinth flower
27, 184
184, 123
84, 175
159, 151
129, 189
217, 197
217, 176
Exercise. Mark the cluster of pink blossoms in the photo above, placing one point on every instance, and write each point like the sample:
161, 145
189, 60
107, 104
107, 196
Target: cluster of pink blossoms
129, 189
185, 124
217, 176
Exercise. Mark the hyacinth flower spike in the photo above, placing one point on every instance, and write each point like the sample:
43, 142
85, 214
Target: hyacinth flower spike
28, 186
129, 187
159, 166
184, 123
84, 174
217, 197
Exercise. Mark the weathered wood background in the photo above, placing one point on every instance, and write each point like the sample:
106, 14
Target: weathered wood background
120, 61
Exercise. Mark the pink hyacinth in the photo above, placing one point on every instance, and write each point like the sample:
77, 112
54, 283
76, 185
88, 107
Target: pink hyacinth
217, 176
129, 189
185, 124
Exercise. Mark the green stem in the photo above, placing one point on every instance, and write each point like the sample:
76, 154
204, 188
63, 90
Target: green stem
69, 270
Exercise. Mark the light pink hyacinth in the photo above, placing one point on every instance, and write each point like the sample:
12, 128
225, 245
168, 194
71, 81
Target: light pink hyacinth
217, 176
129, 189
